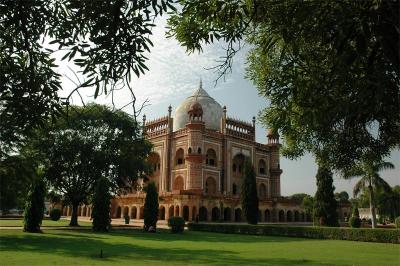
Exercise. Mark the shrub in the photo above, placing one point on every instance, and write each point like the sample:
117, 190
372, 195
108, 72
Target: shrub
397, 222
34, 206
177, 224
127, 218
101, 206
150, 211
353, 234
355, 222
55, 214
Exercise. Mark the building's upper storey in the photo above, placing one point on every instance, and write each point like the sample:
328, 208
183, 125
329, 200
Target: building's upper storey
215, 119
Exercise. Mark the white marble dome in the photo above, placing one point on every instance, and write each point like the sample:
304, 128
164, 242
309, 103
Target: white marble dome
212, 111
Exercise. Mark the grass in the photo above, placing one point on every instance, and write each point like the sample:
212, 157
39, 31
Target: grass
133, 246
46, 223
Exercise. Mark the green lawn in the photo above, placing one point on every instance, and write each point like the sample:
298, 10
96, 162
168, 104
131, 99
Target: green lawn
133, 246
46, 222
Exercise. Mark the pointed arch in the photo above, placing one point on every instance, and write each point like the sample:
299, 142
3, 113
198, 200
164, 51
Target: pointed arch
262, 167
211, 157
179, 157
211, 186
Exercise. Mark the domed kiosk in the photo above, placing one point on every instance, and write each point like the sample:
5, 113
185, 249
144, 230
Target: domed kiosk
212, 110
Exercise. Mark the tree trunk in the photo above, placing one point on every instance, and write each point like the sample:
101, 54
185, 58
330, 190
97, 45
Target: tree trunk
74, 215
372, 206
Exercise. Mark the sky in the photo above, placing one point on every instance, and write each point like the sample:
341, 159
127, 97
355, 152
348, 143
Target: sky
173, 75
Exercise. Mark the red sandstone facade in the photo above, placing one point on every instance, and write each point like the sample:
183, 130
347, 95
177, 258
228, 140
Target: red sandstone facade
198, 164
198, 170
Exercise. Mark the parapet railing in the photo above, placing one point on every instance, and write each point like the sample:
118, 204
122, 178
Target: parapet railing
157, 127
240, 129
180, 132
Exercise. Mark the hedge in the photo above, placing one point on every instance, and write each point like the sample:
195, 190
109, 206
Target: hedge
177, 224
354, 234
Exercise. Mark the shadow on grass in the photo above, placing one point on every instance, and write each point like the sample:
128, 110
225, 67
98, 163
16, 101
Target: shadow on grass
165, 235
116, 247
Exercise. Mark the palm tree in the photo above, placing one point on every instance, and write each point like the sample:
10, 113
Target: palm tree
370, 181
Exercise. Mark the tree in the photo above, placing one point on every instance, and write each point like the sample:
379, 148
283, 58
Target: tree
101, 206
370, 181
342, 197
329, 69
150, 211
388, 203
355, 212
248, 196
17, 172
325, 213
299, 197
89, 143
308, 205
34, 207
106, 41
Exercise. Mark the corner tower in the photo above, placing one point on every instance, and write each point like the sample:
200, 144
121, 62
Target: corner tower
194, 156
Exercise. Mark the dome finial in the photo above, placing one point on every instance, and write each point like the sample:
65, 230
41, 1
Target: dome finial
201, 84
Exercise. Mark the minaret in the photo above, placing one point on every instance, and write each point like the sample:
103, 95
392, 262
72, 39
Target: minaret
274, 166
254, 128
170, 120
168, 186
223, 120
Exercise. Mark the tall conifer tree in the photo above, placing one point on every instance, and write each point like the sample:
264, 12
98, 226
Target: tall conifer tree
249, 196
34, 206
101, 206
325, 213
150, 211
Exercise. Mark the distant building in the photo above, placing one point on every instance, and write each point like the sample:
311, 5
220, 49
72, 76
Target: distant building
365, 213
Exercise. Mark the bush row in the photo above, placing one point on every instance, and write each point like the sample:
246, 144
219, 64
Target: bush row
354, 234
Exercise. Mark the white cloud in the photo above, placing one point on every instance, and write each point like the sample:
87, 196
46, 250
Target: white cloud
172, 72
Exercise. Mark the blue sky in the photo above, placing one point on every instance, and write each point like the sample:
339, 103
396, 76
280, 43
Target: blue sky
173, 76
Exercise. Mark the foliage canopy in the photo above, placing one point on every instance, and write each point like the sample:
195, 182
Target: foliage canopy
105, 40
329, 69
17, 172
370, 181
89, 143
